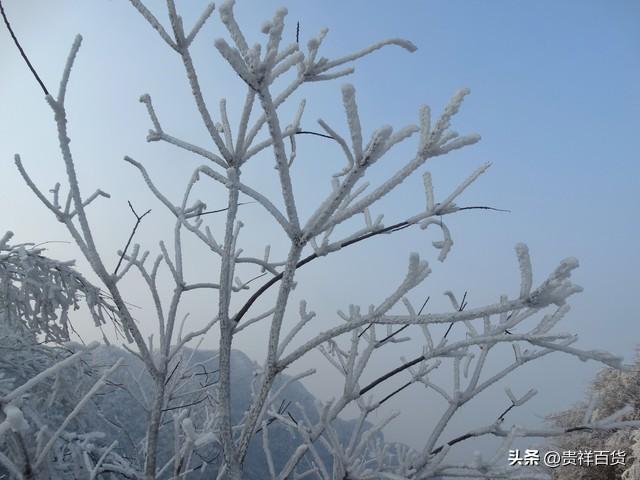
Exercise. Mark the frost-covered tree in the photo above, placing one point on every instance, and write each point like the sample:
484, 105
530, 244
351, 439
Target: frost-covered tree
611, 391
345, 219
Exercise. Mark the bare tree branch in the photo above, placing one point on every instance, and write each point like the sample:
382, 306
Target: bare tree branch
22, 52
133, 232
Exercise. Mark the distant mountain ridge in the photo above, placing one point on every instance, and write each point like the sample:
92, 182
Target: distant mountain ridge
119, 409
283, 442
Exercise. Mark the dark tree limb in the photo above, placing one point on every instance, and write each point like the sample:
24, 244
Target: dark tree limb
390, 229
168, 379
209, 212
390, 374
395, 392
411, 363
485, 208
283, 408
22, 52
507, 410
317, 134
133, 232
393, 334
177, 407
468, 435
463, 304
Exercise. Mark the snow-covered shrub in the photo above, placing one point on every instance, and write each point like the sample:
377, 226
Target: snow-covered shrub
611, 391
38, 292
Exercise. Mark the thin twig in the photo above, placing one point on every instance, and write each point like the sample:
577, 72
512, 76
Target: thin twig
452, 442
410, 363
390, 374
317, 134
255, 278
365, 330
485, 208
390, 229
245, 308
424, 305
507, 410
166, 382
393, 334
133, 232
284, 407
463, 304
395, 392
177, 407
471, 434
22, 53
208, 212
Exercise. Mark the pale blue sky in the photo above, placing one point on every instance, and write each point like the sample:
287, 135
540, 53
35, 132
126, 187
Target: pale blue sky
554, 96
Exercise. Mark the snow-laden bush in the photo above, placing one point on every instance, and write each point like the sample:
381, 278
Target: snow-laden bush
610, 392
38, 292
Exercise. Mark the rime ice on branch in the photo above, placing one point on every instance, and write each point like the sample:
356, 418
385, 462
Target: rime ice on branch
363, 332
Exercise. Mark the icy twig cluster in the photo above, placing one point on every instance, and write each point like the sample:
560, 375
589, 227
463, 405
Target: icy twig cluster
38, 292
362, 332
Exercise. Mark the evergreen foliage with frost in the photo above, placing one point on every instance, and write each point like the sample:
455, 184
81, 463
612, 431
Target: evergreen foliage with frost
38, 292
611, 391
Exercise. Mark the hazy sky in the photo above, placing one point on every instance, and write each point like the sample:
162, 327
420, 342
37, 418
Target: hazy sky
554, 95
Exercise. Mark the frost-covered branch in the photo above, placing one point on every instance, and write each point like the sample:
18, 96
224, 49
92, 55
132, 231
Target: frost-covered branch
273, 72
